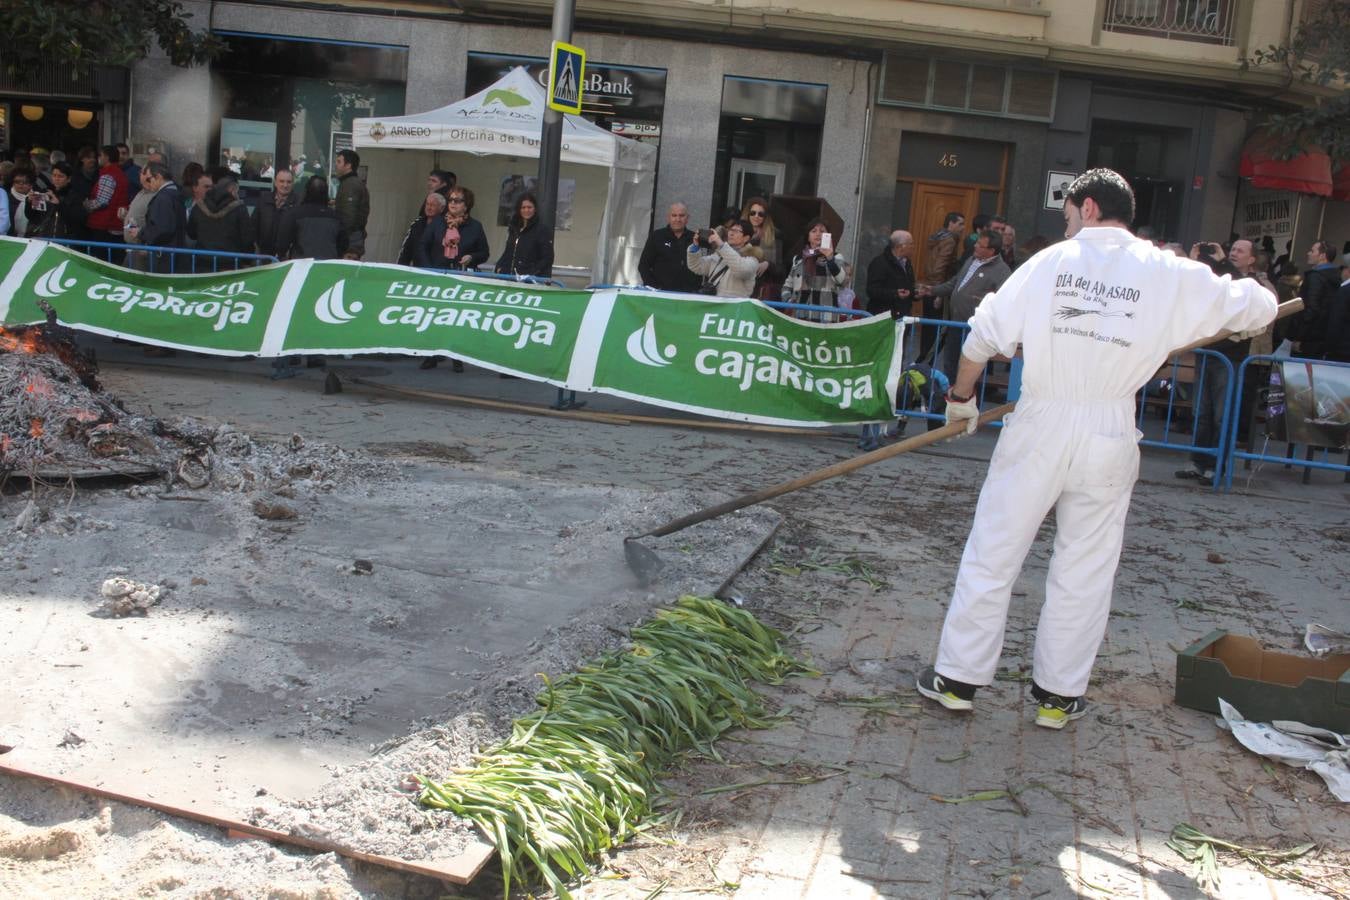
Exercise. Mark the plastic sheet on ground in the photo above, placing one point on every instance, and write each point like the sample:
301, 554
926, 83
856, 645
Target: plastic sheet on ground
1321, 640
1294, 744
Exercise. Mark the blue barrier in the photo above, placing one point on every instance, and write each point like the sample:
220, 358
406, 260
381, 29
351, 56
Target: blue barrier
1247, 455
181, 260
1212, 371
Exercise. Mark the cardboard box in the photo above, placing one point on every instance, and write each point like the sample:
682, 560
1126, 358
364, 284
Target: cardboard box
1264, 685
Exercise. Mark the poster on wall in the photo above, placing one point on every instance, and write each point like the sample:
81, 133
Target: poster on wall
1264, 213
1057, 188
516, 186
248, 149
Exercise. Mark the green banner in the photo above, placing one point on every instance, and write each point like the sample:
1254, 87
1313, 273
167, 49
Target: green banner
345, 307
224, 313
734, 359
742, 359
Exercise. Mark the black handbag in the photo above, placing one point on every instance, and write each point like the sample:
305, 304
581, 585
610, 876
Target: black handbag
709, 285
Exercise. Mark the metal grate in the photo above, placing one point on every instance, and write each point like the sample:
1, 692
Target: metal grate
1207, 21
51, 79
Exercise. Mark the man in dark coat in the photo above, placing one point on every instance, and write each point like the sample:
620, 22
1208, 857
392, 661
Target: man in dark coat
1309, 328
1338, 318
890, 277
352, 203
272, 205
165, 217
222, 223
662, 264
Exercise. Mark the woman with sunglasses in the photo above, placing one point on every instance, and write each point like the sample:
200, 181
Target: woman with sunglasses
756, 211
454, 242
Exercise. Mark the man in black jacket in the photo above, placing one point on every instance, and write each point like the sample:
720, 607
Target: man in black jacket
272, 205
165, 217
1338, 318
890, 277
1320, 282
662, 264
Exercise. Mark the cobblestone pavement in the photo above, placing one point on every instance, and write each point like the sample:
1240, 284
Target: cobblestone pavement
895, 798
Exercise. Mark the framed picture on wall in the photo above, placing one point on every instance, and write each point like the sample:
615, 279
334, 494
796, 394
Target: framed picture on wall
1057, 188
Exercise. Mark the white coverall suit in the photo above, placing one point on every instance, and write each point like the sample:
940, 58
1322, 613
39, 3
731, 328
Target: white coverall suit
1096, 316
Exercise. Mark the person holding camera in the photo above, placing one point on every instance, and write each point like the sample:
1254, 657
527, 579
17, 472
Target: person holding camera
818, 273
730, 266
27, 207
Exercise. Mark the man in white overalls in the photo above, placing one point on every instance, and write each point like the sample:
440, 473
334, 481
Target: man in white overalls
1096, 316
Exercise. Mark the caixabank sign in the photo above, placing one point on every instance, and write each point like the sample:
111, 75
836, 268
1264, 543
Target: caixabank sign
728, 358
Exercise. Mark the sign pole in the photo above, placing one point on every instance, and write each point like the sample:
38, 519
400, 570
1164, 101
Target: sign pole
550, 136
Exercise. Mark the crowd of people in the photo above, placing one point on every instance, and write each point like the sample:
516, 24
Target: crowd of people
105, 197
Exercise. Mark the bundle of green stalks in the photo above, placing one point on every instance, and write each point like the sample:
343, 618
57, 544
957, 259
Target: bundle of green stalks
578, 776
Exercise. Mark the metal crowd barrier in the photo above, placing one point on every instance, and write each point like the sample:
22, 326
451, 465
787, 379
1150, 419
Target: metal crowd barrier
180, 260
1287, 459
1202, 404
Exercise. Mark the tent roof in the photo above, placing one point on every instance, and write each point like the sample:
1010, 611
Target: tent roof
505, 119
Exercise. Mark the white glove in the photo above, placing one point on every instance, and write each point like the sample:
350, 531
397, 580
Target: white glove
968, 412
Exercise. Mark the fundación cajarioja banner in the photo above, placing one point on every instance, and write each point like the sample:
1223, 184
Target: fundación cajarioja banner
736, 359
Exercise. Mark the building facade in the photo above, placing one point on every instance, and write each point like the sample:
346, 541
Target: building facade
893, 111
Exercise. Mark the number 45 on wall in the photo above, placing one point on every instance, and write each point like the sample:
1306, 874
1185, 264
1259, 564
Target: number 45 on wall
948, 161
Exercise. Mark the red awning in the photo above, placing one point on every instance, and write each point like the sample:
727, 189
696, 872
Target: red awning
1307, 173
1340, 182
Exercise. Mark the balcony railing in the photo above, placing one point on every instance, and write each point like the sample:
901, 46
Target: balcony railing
1206, 21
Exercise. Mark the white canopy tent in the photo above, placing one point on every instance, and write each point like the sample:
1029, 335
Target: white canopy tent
504, 121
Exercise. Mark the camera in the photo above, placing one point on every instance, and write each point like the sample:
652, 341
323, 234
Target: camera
40, 202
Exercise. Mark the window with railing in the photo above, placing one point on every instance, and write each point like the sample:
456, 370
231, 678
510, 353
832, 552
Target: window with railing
1206, 21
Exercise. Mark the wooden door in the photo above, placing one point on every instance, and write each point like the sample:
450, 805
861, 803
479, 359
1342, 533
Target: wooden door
932, 201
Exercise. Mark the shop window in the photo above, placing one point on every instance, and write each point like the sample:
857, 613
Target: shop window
768, 141
291, 101
980, 88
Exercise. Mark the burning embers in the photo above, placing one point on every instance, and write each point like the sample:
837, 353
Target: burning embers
51, 407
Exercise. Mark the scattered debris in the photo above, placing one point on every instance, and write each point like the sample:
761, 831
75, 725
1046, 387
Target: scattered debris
850, 566
273, 509
1321, 640
71, 740
124, 597
1294, 744
1214, 558
30, 515
1202, 851
363, 567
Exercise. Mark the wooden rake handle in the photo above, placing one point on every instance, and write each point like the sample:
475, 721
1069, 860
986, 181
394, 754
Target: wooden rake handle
917, 442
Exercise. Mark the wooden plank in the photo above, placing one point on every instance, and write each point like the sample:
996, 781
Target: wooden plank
460, 869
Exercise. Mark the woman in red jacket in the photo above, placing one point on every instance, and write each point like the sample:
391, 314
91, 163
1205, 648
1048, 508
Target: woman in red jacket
107, 205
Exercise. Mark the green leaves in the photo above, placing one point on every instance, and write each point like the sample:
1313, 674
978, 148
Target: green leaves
99, 33
1318, 57
578, 776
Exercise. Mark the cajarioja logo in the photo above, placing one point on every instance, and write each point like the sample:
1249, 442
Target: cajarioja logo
331, 309
53, 282
223, 302
642, 346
